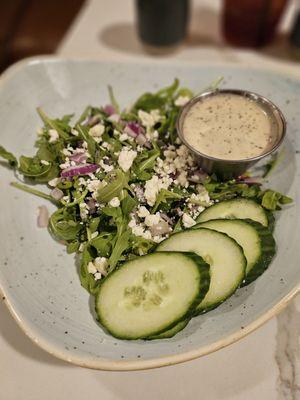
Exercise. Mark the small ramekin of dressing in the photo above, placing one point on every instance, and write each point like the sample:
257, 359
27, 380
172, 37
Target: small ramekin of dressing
229, 130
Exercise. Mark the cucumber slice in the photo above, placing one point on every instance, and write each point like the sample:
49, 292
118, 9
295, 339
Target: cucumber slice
170, 332
256, 240
225, 256
268, 250
151, 294
235, 209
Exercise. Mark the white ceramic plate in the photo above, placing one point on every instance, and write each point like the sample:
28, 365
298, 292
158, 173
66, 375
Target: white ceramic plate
40, 281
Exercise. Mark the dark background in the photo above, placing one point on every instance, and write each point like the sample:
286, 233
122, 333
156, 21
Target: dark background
31, 27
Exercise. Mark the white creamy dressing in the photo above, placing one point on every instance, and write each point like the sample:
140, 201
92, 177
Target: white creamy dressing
228, 126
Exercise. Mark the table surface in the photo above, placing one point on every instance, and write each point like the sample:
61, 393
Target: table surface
264, 365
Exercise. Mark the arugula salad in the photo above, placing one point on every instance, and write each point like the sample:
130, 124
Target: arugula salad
133, 203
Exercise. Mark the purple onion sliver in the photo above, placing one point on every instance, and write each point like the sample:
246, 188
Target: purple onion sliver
84, 169
56, 193
109, 109
78, 158
141, 139
130, 132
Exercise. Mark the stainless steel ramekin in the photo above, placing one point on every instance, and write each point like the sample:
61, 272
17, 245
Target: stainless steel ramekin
227, 169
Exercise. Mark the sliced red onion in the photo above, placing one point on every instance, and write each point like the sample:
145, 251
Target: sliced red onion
166, 218
130, 132
109, 109
114, 118
83, 169
56, 193
141, 139
43, 217
160, 229
249, 180
78, 157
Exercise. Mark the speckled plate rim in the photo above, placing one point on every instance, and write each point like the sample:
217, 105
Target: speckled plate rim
110, 365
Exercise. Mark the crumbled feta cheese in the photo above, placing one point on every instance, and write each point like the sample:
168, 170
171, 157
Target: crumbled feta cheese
147, 235
114, 202
106, 167
181, 101
53, 135
97, 276
142, 212
91, 268
182, 179
187, 221
138, 230
45, 162
157, 239
101, 264
97, 131
153, 186
126, 158
74, 132
105, 145
66, 164
94, 185
132, 223
54, 182
94, 235
149, 119
83, 211
152, 219
81, 247
82, 181
66, 152
123, 137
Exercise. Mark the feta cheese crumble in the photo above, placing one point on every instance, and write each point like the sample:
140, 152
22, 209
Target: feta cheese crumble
187, 221
126, 158
53, 135
97, 131
181, 101
114, 202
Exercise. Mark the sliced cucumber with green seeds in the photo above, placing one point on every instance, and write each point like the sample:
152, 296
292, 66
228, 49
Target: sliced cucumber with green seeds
268, 251
170, 332
235, 209
256, 240
151, 294
225, 256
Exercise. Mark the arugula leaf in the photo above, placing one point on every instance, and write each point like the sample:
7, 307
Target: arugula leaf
103, 244
63, 225
113, 100
114, 188
128, 204
144, 162
59, 125
141, 245
12, 161
163, 196
36, 192
32, 167
150, 101
271, 200
87, 280
84, 134
122, 244
73, 247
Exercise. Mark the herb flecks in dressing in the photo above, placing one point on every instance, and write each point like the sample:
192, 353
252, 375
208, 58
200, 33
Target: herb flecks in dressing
228, 126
